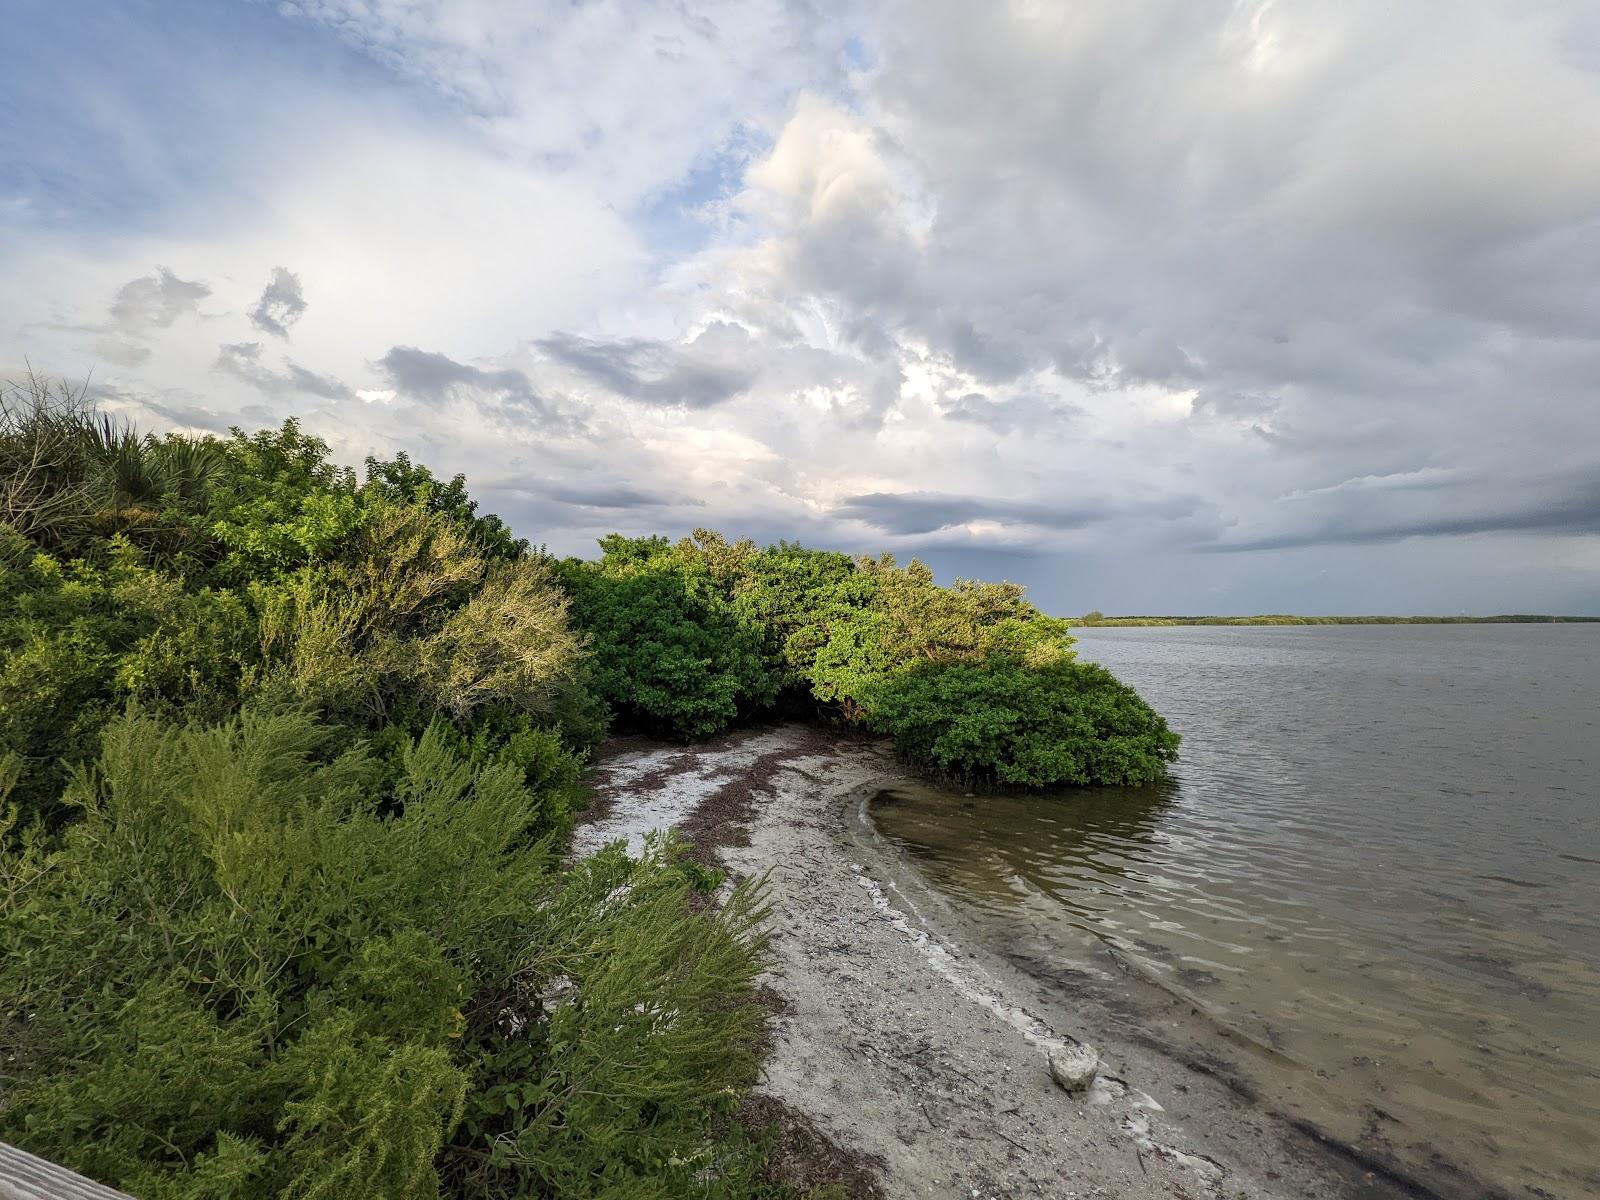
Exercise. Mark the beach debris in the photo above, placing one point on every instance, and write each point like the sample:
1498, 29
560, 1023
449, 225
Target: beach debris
560, 990
1073, 1066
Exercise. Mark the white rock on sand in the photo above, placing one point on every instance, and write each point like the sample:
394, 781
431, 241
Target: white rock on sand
1073, 1066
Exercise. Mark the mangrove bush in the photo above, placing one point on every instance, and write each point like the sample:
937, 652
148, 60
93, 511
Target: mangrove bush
970, 681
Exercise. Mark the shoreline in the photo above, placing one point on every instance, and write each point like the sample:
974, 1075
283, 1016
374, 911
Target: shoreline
913, 1047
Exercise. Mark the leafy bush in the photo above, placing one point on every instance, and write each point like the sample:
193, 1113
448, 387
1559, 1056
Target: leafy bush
403, 482
543, 760
248, 969
798, 595
650, 1038
280, 504
196, 574
669, 649
1067, 723
508, 644
969, 680
79, 639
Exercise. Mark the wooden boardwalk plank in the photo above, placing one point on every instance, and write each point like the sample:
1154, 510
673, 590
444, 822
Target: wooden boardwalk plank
25, 1176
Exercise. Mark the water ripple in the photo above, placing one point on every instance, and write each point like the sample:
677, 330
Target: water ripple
1376, 861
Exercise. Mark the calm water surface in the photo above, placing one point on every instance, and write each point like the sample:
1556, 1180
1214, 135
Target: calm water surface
1377, 868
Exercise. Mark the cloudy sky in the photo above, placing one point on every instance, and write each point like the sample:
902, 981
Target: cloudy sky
1196, 305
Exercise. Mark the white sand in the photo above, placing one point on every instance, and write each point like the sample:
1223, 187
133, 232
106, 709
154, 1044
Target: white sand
905, 1043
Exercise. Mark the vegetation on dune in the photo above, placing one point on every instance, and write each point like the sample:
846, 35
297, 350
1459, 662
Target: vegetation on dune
287, 761
255, 966
670, 652
281, 578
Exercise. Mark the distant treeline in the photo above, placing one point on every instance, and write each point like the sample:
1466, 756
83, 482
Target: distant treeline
1098, 619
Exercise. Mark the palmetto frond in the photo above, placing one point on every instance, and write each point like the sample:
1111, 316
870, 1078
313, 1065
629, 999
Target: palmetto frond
188, 467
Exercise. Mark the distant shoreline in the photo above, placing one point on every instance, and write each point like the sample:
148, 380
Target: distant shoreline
1095, 621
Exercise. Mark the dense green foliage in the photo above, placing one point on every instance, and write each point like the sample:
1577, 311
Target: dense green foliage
1070, 722
669, 649
277, 575
970, 681
253, 967
287, 760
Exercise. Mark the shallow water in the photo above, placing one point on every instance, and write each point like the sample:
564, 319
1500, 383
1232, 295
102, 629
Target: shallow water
1375, 873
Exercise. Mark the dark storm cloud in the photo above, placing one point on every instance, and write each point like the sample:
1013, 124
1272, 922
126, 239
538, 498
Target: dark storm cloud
613, 496
613, 364
1567, 503
282, 303
913, 513
1324, 276
1341, 259
430, 376
713, 368
314, 384
1183, 230
243, 361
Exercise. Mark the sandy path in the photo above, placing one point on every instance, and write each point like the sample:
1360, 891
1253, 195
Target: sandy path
903, 1042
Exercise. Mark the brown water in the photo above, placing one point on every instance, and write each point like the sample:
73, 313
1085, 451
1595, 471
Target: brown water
1377, 868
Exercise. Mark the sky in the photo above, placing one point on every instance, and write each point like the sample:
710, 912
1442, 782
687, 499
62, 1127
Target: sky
1179, 306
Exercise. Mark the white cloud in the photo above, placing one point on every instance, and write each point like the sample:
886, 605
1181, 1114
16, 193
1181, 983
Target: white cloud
1082, 282
631, 95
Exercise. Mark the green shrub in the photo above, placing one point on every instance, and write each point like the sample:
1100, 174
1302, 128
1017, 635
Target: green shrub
798, 595
509, 644
79, 640
400, 481
670, 651
52, 704
406, 568
292, 923
648, 1042
279, 503
549, 767
180, 969
249, 968
969, 680
1001, 720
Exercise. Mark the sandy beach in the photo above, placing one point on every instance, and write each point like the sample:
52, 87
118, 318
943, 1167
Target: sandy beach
909, 1045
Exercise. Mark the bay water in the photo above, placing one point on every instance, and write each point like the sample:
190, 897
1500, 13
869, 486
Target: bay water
1374, 876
